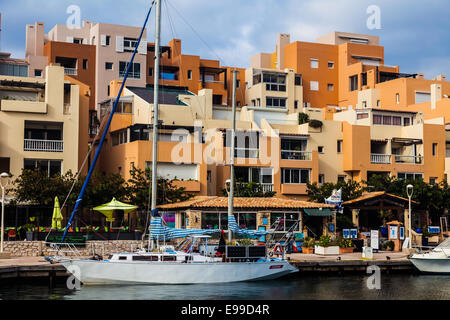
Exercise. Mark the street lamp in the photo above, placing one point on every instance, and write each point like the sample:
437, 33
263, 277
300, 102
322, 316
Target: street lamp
409, 192
228, 186
3, 177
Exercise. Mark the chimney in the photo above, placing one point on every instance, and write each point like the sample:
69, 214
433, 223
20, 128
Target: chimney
436, 94
441, 77
283, 40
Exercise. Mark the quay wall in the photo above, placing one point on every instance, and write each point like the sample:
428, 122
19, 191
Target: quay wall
40, 248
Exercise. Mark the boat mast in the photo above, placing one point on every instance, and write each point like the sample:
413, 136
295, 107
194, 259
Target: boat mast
233, 135
156, 109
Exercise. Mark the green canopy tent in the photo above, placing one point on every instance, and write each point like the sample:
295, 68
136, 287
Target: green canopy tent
57, 216
107, 209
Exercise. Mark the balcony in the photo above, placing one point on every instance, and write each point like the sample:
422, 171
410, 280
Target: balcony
267, 187
70, 71
246, 153
43, 145
380, 158
408, 159
296, 155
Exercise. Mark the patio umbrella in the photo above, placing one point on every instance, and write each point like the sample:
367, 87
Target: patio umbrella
57, 216
108, 208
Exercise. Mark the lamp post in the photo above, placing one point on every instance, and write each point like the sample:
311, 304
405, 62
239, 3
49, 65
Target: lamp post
230, 191
409, 192
4, 176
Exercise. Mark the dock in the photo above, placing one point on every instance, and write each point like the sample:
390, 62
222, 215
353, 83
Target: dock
350, 262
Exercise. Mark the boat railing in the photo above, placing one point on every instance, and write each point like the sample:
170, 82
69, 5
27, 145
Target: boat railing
64, 249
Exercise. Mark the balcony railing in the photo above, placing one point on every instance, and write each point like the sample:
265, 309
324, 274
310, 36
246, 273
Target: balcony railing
246, 153
380, 158
296, 155
70, 71
408, 159
43, 145
267, 187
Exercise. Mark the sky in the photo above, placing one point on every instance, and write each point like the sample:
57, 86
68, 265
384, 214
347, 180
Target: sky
414, 33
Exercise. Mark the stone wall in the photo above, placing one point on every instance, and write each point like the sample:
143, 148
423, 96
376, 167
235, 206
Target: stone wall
39, 248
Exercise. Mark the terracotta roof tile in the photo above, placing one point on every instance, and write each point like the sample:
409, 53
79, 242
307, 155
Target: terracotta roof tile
222, 202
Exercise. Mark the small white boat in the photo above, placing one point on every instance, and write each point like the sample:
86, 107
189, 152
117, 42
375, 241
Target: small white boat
435, 261
178, 267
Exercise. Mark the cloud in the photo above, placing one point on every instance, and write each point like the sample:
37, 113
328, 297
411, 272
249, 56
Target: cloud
414, 33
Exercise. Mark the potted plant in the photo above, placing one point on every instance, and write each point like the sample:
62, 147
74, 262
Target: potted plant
308, 245
345, 245
326, 247
29, 229
425, 236
389, 245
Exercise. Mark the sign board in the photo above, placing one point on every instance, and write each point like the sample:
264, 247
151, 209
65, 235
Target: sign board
402, 233
346, 233
331, 227
393, 232
265, 221
353, 233
374, 239
367, 253
434, 229
262, 238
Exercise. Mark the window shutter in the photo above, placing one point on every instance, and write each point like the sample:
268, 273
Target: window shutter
142, 47
69, 39
103, 40
119, 43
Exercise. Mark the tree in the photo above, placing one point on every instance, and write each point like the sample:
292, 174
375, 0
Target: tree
303, 118
140, 184
249, 190
350, 190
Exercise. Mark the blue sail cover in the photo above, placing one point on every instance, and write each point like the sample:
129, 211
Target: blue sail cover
233, 226
158, 231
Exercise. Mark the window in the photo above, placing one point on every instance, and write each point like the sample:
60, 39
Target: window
50, 167
285, 220
433, 180
78, 40
362, 116
258, 175
330, 65
129, 44
38, 73
314, 63
275, 82
314, 85
85, 64
339, 146
321, 178
396, 121
11, 69
295, 176
189, 74
406, 122
238, 84
108, 90
377, 119
409, 175
397, 97
330, 87
341, 179
208, 176
320, 149
421, 97
296, 104
387, 120
119, 137
354, 83
276, 102
364, 104
364, 79
108, 65
108, 40
135, 70
298, 80
145, 258
150, 72
434, 147
378, 103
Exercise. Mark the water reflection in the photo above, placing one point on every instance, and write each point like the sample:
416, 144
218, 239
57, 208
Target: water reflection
393, 287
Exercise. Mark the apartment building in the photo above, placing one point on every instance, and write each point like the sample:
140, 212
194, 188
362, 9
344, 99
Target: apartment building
41, 123
195, 73
96, 53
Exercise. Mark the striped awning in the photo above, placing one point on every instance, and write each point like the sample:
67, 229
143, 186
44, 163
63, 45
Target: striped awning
325, 212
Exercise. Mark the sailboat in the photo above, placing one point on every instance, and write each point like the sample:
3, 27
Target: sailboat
192, 265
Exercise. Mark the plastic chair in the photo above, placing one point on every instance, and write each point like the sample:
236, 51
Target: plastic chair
12, 234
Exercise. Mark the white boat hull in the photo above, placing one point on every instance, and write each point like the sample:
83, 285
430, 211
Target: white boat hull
436, 261
107, 272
